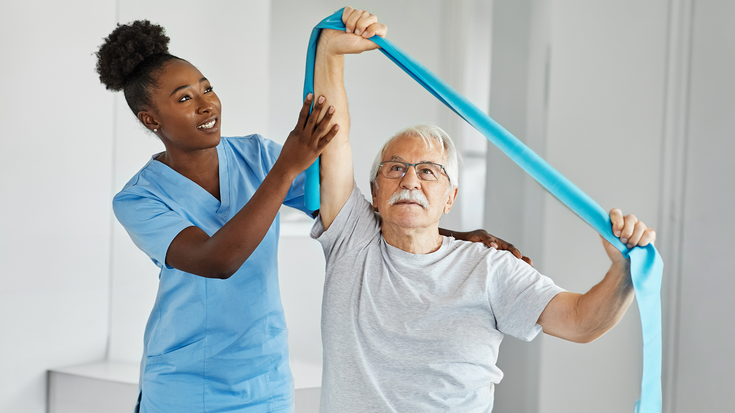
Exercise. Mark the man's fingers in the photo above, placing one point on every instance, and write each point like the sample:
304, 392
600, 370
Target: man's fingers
638, 231
631, 231
616, 217
376, 29
649, 237
363, 22
628, 227
345, 16
351, 19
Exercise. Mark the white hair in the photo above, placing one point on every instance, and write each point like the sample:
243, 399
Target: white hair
430, 134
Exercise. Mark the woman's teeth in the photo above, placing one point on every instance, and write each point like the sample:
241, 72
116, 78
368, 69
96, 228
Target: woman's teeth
207, 125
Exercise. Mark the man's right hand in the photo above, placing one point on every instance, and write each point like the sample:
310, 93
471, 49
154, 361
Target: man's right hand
359, 26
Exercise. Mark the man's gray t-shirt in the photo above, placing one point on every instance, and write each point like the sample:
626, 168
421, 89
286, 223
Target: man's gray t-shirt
418, 333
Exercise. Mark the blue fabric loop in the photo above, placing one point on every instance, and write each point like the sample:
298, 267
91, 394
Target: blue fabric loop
646, 264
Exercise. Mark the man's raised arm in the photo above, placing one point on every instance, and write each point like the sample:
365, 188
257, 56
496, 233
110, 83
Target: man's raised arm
337, 174
583, 318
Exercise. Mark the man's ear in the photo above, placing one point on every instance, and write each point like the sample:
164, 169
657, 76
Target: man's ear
374, 193
147, 119
450, 200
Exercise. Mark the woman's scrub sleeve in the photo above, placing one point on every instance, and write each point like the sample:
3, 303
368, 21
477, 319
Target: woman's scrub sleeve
295, 196
151, 224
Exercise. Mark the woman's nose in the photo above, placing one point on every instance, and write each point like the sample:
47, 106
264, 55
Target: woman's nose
206, 104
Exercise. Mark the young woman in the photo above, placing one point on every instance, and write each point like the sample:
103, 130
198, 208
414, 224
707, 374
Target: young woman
204, 211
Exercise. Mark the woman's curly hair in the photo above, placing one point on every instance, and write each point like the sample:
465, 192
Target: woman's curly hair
130, 58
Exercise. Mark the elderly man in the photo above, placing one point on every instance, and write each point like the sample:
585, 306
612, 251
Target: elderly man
411, 320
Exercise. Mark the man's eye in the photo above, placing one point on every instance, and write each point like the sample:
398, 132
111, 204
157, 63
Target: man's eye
427, 171
397, 168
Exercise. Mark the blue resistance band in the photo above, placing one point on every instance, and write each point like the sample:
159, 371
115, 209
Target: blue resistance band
646, 266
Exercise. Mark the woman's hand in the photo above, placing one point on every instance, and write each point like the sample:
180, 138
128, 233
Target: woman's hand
490, 240
480, 235
359, 26
310, 136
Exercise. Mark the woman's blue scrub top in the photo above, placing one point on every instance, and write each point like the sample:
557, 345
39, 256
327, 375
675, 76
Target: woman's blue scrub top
210, 344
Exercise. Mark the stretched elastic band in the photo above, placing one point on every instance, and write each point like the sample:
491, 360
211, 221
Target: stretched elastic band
645, 262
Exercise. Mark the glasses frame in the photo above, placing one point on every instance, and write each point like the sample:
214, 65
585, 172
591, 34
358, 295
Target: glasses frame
415, 170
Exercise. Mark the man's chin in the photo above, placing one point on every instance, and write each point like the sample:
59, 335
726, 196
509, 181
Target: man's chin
406, 217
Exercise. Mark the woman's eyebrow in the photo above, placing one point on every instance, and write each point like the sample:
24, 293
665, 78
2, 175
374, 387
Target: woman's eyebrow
202, 80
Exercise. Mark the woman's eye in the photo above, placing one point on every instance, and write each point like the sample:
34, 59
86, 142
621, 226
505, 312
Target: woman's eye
209, 89
184, 98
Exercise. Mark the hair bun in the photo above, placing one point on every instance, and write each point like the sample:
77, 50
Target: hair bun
125, 48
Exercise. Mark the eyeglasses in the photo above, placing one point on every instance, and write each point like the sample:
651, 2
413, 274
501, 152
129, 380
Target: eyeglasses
425, 171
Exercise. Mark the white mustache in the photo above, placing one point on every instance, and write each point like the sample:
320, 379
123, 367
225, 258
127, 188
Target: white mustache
407, 195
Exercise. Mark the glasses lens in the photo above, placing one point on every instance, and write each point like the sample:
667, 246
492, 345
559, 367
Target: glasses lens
428, 171
397, 170
394, 170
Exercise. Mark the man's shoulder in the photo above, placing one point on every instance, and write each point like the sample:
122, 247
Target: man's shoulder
356, 220
358, 207
477, 251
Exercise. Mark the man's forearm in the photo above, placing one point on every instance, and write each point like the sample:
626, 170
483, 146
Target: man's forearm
582, 318
602, 307
336, 162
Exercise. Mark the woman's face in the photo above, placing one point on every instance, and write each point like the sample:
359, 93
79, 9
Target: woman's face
186, 111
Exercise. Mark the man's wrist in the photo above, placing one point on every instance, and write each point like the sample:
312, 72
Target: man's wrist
325, 56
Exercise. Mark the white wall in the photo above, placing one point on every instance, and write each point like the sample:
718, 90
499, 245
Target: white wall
606, 94
702, 365
56, 187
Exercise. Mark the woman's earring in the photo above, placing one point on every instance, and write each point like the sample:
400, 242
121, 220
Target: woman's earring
155, 130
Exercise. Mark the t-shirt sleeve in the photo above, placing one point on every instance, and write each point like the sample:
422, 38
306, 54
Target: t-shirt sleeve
295, 197
353, 227
518, 294
152, 225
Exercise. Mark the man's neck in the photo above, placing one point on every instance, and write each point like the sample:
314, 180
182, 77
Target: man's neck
413, 240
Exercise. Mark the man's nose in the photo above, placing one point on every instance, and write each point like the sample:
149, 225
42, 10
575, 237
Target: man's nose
410, 180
